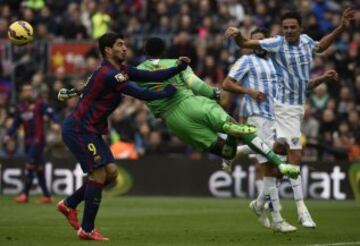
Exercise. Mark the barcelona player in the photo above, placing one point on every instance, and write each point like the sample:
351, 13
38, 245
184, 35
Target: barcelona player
30, 114
83, 128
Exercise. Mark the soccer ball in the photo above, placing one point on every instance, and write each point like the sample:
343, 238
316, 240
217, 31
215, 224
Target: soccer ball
20, 32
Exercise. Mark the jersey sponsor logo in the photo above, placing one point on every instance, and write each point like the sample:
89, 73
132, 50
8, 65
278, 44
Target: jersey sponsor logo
121, 77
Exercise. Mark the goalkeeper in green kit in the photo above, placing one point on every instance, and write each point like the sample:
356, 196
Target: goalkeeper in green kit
194, 116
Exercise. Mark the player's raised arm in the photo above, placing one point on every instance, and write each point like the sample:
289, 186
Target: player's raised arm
133, 90
198, 86
329, 75
241, 41
327, 40
139, 75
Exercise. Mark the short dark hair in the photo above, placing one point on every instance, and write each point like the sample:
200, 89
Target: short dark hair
108, 40
155, 47
261, 30
292, 15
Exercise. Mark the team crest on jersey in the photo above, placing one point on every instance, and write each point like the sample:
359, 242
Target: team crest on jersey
121, 77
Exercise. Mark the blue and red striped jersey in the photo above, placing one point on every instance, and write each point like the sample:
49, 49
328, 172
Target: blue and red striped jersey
31, 117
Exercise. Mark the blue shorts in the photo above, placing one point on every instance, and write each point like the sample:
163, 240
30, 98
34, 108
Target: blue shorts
35, 154
89, 148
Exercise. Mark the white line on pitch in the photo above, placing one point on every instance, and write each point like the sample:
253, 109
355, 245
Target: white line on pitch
335, 244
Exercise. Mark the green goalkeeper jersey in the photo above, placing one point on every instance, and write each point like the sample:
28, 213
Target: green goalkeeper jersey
161, 106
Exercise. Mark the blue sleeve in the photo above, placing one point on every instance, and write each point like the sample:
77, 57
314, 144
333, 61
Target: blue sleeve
15, 125
139, 75
49, 111
133, 90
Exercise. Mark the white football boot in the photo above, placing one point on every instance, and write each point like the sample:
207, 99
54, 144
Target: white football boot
282, 226
305, 220
260, 213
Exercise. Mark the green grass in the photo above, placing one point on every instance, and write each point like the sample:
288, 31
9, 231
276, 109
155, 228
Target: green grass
177, 221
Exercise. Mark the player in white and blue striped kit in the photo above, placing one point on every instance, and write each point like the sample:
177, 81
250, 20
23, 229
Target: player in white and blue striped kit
292, 57
255, 76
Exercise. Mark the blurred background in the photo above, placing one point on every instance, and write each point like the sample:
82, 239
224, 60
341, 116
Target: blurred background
64, 54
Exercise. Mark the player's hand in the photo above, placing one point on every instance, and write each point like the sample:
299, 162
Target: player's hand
257, 95
232, 32
170, 90
183, 62
347, 16
330, 75
65, 94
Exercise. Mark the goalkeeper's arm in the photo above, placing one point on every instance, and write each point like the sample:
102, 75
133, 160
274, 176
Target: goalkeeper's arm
199, 87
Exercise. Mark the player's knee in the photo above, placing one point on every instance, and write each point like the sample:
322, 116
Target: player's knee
111, 177
98, 175
111, 174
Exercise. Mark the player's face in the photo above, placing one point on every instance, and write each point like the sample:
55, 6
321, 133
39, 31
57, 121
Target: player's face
119, 50
27, 93
259, 36
291, 29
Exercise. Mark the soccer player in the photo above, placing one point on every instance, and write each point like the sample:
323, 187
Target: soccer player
195, 118
292, 57
83, 128
30, 114
254, 75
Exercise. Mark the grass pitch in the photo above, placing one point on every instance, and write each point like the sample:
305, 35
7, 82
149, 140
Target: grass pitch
178, 221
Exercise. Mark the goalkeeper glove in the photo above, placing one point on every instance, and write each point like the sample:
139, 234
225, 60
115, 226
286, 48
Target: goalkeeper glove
65, 94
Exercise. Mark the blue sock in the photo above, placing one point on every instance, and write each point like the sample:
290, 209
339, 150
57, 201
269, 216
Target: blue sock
29, 176
77, 197
42, 182
92, 202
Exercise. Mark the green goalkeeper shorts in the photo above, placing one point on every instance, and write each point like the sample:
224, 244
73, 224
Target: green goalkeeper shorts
197, 120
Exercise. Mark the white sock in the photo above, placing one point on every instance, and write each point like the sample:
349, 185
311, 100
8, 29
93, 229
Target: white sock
244, 150
296, 185
259, 185
262, 198
271, 190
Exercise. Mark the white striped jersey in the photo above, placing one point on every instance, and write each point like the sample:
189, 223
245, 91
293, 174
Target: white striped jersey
293, 63
260, 74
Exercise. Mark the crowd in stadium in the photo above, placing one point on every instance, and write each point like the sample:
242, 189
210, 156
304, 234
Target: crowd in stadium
193, 28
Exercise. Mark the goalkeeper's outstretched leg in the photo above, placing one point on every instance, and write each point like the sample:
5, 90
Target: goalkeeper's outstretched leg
248, 134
